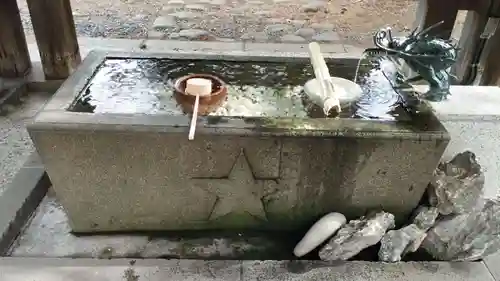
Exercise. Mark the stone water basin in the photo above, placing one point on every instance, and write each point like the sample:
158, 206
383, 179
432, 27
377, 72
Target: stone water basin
114, 144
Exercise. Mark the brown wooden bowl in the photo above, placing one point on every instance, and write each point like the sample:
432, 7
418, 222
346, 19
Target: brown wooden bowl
208, 103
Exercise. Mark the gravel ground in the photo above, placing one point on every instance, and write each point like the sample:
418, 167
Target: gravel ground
15, 143
348, 21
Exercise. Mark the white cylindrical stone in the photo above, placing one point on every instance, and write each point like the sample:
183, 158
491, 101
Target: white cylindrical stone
319, 232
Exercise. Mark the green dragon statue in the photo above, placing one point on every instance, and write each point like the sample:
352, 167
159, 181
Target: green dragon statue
430, 57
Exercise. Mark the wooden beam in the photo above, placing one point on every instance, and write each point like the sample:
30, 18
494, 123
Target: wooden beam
14, 55
55, 34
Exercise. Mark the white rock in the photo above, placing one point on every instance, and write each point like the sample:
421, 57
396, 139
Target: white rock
319, 232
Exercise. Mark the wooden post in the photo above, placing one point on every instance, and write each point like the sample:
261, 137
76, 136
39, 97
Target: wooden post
55, 34
468, 44
489, 62
14, 55
433, 11
489, 68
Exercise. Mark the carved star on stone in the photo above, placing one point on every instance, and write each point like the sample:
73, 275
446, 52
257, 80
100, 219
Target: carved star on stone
239, 193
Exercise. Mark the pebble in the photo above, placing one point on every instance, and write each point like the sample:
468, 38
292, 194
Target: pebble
152, 34
170, 9
255, 37
194, 34
313, 6
271, 21
175, 3
195, 7
188, 25
290, 38
218, 2
164, 22
263, 13
277, 30
174, 35
322, 26
185, 15
328, 36
297, 23
305, 32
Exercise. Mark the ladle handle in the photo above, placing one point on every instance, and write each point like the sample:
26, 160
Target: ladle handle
192, 127
318, 62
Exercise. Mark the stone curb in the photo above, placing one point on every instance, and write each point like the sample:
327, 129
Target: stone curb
20, 199
15, 89
17, 269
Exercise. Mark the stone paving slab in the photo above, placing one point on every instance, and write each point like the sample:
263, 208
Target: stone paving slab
48, 235
13, 269
493, 264
472, 118
117, 270
364, 271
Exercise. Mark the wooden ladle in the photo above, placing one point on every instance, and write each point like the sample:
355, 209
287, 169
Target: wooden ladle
197, 87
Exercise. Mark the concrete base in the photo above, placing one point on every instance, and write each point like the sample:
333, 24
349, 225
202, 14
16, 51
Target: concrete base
189, 270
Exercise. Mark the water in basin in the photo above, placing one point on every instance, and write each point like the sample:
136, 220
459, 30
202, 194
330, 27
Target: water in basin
255, 89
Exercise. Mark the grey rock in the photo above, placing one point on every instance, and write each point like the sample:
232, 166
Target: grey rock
277, 30
356, 236
457, 185
396, 243
292, 38
425, 217
164, 23
313, 6
194, 34
466, 237
305, 32
327, 36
